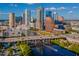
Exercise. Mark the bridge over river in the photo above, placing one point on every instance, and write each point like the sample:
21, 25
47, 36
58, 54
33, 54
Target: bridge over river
31, 40
35, 39
28, 38
41, 49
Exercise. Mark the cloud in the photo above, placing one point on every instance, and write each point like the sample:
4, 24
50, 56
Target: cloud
52, 8
46, 8
61, 8
13, 5
70, 12
30, 3
74, 7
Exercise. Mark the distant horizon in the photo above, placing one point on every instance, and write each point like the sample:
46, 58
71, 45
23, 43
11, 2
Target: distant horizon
67, 10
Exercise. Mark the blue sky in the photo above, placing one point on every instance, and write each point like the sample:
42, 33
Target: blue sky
67, 10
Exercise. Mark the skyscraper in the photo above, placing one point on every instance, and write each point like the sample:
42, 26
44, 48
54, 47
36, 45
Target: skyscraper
26, 18
49, 14
11, 20
60, 18
40, 19
32, 24
49, 24
59, 22
55, 15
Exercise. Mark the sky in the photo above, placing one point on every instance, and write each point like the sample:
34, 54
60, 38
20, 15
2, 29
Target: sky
67, 10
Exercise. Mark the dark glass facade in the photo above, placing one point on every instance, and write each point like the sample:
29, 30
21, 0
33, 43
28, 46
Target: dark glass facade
60, 24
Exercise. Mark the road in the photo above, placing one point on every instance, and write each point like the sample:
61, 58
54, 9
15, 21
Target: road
72, 37
69, 37
27, 38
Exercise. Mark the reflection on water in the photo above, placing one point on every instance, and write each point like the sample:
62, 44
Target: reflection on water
52, 50
48, 50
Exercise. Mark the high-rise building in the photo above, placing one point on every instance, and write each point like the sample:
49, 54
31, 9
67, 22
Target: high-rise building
19, 19
60, 18
12, 20
55, 15
32, 24
26, 18
60, 22
23, 18
49, 14
40, 19
49, 24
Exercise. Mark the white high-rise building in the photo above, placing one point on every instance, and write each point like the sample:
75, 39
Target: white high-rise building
55, 15
26, 21
32, 24
26, 18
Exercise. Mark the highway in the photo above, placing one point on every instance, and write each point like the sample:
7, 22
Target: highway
27, 38
72, 37
69, 37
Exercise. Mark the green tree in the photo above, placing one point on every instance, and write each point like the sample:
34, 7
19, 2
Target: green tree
10, 51
24, 49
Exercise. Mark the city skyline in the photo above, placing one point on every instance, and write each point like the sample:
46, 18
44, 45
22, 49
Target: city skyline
39, 29
63, 9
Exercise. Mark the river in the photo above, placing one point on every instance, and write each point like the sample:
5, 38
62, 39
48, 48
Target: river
53, 50
48, 50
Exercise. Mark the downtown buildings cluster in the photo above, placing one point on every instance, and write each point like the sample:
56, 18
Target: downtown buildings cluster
44, 21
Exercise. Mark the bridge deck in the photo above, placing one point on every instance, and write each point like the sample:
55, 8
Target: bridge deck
69, 37
27, 38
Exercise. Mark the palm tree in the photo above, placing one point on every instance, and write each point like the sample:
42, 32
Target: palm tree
10, 51
24, 49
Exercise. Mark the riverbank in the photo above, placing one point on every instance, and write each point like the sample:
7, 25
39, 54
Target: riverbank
15, 49
71, 46
23, 49
52, 50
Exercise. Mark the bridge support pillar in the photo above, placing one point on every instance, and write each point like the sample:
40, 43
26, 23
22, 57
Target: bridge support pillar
35, 42
49, 41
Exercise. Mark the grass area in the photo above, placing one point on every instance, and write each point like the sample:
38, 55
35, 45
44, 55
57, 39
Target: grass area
74, 47
45, 33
